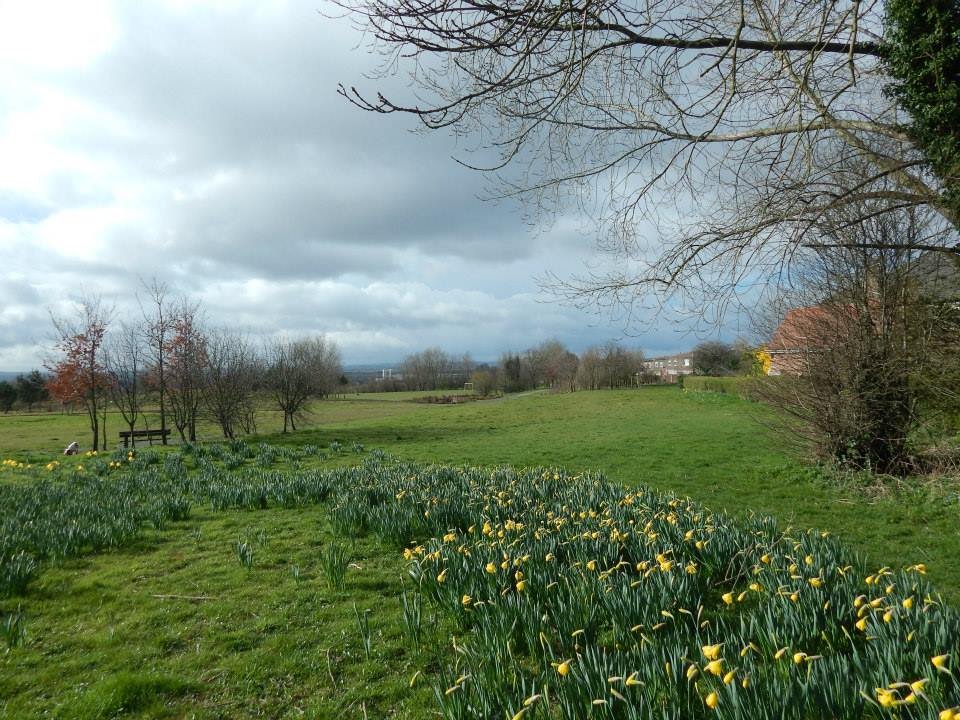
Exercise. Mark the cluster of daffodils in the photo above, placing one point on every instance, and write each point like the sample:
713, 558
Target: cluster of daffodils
577, 599
102, 504
108, 500
11, 464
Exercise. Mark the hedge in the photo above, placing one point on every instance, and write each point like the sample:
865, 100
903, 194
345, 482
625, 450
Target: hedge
738, 386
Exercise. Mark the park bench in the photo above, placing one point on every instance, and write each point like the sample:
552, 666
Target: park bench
150, 435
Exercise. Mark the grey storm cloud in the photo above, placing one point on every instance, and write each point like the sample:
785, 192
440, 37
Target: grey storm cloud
236, 111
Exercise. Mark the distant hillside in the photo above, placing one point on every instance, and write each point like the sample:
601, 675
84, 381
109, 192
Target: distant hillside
5, 375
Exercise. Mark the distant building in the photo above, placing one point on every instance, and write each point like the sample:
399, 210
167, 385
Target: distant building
669, 367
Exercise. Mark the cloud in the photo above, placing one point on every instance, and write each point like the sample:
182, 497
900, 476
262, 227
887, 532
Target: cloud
205, 143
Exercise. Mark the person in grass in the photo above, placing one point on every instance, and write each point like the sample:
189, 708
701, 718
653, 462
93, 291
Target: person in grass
71, 449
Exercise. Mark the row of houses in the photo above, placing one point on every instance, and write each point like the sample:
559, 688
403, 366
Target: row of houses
669, 367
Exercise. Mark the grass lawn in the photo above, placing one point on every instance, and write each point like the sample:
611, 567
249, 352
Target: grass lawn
715, 448
262, 643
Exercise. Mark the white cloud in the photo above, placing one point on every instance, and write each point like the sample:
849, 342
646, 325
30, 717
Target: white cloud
205, 143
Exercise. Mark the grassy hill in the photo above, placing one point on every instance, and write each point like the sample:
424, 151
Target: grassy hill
175, 625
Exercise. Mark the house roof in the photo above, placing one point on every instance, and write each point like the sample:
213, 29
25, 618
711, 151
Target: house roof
809, 327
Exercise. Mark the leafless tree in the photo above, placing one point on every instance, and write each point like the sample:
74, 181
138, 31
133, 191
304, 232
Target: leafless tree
298, 371
552, 365
426, 369
156, 309
707, 137
485, 381
123, 360
185, 354
868, 345
609, 366
590, 369
230, 377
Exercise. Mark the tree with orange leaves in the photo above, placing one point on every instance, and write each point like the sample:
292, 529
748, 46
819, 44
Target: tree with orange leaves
79, 374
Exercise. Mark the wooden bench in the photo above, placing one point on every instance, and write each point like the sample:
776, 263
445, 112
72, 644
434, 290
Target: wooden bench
126, 435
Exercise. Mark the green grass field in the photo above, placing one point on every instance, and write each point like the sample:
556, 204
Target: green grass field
174, 626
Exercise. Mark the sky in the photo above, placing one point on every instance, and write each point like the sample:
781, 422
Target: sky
204, 144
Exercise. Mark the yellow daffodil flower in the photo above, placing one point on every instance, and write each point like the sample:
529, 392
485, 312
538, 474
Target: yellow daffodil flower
711, 652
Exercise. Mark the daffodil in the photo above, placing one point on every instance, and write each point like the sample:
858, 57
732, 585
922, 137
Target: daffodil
728, 598
442, 576
711, 652
940, 662
886, 698
712, 700
715, 667
563, 669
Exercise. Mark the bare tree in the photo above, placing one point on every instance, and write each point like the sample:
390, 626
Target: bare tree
426, 369
552, 365
590, 369
298, 371
157, 326
123, 361
868, 346
230, 374
78, 373
708, 137
185, 354
619, 367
